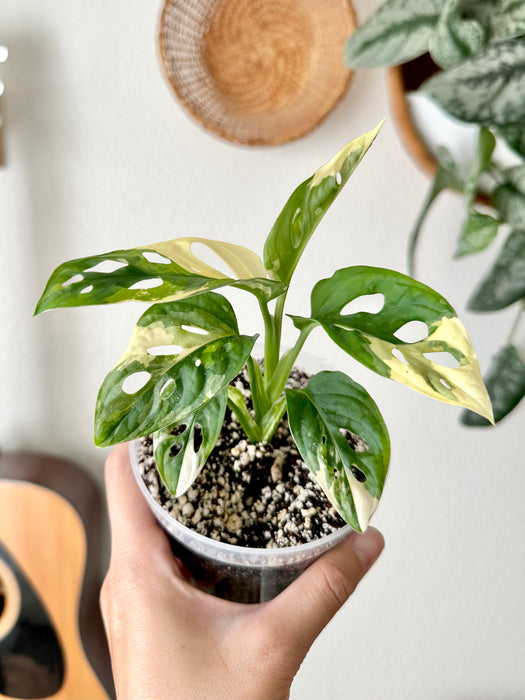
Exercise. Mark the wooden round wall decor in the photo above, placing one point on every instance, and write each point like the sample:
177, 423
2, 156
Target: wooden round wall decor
257, 72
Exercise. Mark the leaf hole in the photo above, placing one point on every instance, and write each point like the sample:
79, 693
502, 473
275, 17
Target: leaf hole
358, 474
208, 256
356, 442
399, 356
367, 303
178, 430
195, 329
445, 359
323, 439
296, 228
135, 382
86, 290
445, 383
155, 258
147, 284
73, 280
197, 363
165, 350
107, 266
338, 178
412, 332
168, 388
175, 449
197, 437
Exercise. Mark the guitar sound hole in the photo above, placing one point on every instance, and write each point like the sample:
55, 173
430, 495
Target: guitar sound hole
31, 659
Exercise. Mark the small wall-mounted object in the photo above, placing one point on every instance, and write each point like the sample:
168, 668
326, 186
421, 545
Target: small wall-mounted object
257, 72
3, 58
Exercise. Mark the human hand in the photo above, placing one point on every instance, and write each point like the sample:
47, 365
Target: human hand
168, 640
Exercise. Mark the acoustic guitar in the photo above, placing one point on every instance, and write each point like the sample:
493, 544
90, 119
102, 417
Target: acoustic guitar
43, 596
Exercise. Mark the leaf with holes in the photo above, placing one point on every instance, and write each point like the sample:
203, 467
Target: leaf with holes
504, 284
487, 88
343, 441
505, 382
183, 353
181, 450
399, 31
307, 205
158, 272
378, 339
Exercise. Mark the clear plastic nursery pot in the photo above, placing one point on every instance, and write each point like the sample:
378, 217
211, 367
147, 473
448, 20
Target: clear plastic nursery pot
242, 574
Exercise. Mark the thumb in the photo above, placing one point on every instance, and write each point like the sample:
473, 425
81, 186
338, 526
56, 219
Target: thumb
310, 602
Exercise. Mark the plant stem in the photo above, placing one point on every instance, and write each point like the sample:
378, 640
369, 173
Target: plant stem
435, 188
287, 361
237, 404
271, 347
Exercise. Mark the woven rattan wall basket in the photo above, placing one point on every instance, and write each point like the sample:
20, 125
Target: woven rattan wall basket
257, 71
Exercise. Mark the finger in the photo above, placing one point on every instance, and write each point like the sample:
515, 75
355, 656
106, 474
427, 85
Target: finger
310, 602
133, 525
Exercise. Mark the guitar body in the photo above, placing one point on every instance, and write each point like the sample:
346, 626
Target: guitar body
43, 555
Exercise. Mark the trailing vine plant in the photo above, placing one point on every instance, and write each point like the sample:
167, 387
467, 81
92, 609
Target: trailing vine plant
479, 48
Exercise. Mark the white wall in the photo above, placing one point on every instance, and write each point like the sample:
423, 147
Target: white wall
101, 156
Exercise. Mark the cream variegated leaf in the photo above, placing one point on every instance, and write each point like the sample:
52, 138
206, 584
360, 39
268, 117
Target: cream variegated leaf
181, 355
159, 272
441, 363
462, 385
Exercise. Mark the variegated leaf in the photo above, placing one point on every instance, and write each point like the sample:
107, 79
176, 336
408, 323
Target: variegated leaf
505, 382
478, 232
158, 272
181, 354
343, 441
487, 88
181, 450
307, 205
383, 339
456, 36
399, 31
504, 284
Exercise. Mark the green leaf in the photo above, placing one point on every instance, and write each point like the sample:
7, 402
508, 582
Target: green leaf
487, 88
507, 20
307, 205
325, 418
181, 450
510, 203
505, 382
456, 36
514, 135
479, 230
158, 272
378, 340
182, 353
505, 282
399, 31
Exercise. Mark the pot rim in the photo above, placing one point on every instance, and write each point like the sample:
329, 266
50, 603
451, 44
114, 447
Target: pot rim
230, 553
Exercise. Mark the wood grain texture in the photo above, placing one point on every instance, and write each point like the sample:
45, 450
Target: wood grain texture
47, 537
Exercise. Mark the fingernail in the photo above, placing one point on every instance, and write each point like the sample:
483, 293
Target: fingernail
368, 546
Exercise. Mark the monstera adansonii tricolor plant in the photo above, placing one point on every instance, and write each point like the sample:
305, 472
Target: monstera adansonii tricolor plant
175, 375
